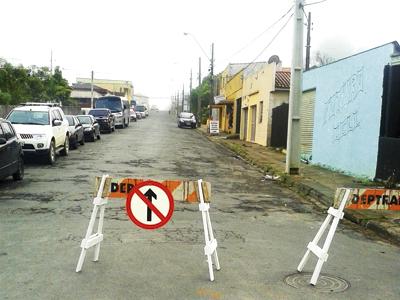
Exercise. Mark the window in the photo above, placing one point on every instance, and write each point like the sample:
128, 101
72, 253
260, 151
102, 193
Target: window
8, 131
261, 111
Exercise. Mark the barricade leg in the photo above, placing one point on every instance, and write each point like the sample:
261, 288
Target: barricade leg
210, 249
322, 253
90, 239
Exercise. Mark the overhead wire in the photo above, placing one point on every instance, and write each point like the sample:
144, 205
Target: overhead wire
266, 47
262, 33
317, 2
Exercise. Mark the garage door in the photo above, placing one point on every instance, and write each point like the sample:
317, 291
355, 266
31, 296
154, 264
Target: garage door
307, 123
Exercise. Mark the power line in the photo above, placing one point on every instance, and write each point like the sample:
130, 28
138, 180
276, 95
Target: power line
317, 2
270, 42
262, 33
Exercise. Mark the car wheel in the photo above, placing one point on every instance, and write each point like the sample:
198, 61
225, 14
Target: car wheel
93, 137
51, 157
98, 136
65, 150
113, 128
19, 175
74, 145
82, 142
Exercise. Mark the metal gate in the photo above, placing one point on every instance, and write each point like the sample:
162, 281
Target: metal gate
279, 126
307, 123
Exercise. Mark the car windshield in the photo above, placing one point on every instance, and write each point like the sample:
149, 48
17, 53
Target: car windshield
70, 120
29, 117
113, 104
98, 112
85, 119
186, 115
140, 108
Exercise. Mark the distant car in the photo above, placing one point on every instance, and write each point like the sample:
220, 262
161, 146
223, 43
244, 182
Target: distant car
142, 110
133, 114
105, 118
76, 135
186, 119
91, 128
11, 154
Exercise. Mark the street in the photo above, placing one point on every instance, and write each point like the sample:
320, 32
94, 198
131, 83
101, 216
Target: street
262, 229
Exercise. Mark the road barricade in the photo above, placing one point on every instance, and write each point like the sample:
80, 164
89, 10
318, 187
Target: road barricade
349, 198
130, 188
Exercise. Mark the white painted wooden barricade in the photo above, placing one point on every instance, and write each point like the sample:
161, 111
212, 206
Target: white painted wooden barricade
322, 253
94, 239
210, 249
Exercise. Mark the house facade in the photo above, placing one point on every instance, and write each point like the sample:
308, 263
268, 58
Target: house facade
355, 103
123, 88
82, 92
265, 87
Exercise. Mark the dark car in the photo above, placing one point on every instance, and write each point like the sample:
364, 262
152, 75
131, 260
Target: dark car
91, 128
75, 129
105, 119
186, 119
11, 154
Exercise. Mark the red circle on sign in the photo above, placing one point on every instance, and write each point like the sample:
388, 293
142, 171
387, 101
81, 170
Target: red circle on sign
136, 190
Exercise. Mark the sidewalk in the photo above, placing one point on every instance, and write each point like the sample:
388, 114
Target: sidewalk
314, 182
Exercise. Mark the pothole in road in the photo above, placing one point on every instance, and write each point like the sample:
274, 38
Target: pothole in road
325, 284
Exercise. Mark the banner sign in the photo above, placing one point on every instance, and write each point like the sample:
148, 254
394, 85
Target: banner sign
379, 199
214, 127
181, 190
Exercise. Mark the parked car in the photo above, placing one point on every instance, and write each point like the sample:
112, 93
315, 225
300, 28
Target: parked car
105, 118
186, 119
141, 109
11, 154
91, 128
133, 114
138, 115
76, 135
43, 128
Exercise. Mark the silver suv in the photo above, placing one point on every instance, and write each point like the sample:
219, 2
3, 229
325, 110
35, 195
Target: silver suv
43, 128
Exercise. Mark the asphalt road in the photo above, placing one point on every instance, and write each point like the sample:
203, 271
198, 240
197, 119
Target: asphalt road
262, 230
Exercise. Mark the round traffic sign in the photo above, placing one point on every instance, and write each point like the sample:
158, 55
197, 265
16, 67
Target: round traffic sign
150, 205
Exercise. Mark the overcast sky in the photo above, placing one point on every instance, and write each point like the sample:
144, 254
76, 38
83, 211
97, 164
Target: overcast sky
143, 41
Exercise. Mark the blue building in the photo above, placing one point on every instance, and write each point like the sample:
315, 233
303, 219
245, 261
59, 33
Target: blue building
354, 104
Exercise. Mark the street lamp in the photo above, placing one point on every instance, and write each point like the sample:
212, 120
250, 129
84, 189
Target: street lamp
211, 60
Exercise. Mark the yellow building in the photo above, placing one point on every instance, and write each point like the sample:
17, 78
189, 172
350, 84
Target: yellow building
123, 88
230, 82
265, 86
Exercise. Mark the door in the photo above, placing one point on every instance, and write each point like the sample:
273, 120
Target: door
245, 119
238, 114
279, 126
4, 156
253, 122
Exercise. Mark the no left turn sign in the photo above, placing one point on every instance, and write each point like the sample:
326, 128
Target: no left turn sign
150, 205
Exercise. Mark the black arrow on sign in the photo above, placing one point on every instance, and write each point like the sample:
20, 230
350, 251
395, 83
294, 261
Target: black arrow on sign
150, 195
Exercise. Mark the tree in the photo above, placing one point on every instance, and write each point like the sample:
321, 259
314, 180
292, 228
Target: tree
19, 84
204, 94
321, 59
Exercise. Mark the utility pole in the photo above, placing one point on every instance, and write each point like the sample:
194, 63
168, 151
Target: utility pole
198, 97
293, 134
51, 61
190, 92
183, 97
91, 92
212, 78
308, 46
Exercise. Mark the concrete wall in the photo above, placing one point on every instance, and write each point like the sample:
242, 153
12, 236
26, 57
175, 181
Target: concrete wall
348, 111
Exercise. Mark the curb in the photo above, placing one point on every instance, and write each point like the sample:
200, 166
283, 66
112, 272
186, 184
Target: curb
321, 199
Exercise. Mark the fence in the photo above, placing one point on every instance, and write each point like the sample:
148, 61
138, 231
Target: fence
68, 110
